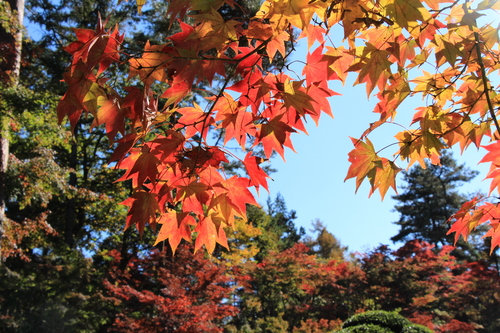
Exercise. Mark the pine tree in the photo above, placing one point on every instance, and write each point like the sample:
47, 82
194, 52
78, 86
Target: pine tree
326, 245
430, 196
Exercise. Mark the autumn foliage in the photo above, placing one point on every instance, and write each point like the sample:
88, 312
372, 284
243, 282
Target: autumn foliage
398, 49
427, 285
158, 286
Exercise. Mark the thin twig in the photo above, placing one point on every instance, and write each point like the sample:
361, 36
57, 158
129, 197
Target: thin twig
485, 83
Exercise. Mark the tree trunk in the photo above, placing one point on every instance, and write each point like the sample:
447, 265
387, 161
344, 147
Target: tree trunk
11, 46
71, 209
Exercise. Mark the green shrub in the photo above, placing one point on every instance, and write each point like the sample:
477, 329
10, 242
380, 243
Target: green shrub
391, 320
414, 328
365, 328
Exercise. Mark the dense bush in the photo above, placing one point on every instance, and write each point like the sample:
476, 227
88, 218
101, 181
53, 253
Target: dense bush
381, 322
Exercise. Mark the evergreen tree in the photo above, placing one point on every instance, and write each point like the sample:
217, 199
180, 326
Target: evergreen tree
430, 196
326, 245
277, 225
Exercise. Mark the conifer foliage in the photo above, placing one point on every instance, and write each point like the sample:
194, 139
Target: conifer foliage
398, 49
430, 197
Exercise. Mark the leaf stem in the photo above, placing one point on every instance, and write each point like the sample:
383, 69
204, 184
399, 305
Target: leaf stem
485, 83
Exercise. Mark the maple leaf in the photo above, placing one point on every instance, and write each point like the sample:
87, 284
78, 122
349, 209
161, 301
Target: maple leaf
349, 13
446, 50
493, 156
124, 146
151, 66
466, 218
208, 235
375, 68
494, 233
319, 95
222, 210
316, 68
110, 114
176, 93
175, 227
133, 103
314, 33
95, 47
127, 163
390, 99
339, 60
194, 120
168, 145
211, 177
277, 44
383, 176
474, 133
201, 157
255, 172
143, 209
214, 31
81, 96
146, 166
404, 12
177, 8
403, 50
180, 39
428, 32
247, 60
296, 12
236, 121
295, 96
363, 159
238, 194
192, 193
274, 135
253, 89
418, 145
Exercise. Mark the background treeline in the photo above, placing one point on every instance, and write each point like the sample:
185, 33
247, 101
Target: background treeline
68, 266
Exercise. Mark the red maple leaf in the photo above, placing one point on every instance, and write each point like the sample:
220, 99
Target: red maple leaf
255, 172
275, 135
143, 209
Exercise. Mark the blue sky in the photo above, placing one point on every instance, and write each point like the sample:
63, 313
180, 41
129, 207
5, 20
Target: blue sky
312, 180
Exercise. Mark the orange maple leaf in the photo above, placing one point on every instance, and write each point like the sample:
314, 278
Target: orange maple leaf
238, 194
175, 227
494, 233
493, 156
151, 66
111, 114
363, 159
208, 235
466, 219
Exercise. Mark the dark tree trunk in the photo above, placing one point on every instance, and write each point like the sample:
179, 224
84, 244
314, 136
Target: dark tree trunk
71, 214
10, 46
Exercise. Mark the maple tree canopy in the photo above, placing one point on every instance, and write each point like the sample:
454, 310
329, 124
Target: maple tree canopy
397, 48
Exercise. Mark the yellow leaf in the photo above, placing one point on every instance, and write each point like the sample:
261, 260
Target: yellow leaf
417, 145
213, 31
383, 176
403, 12
375, 68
